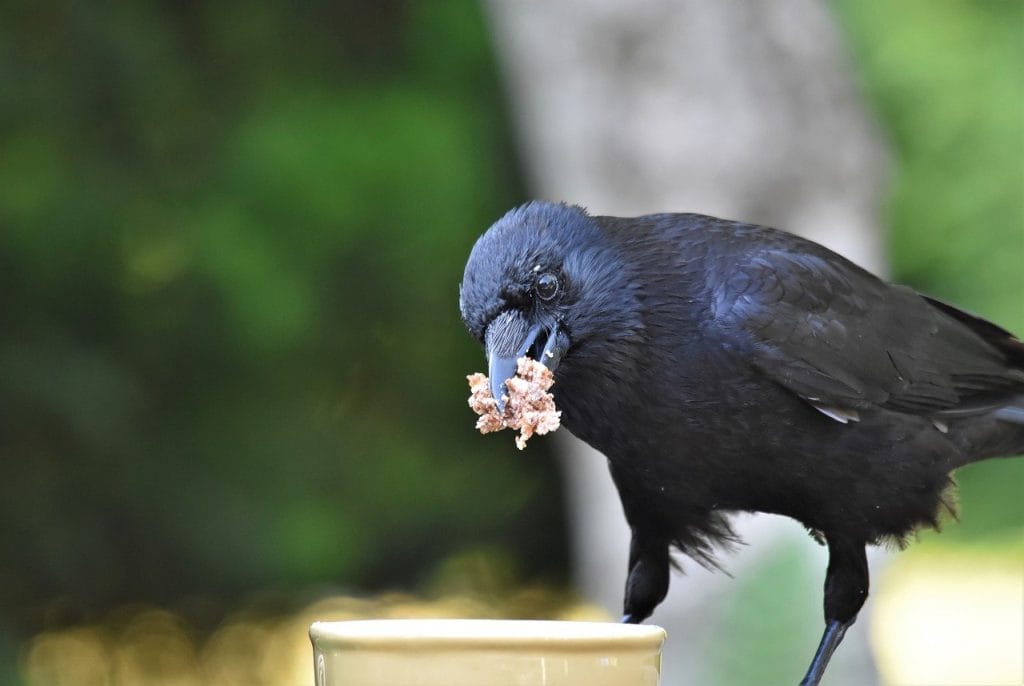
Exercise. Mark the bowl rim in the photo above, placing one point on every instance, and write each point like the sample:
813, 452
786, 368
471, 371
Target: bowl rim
485, 633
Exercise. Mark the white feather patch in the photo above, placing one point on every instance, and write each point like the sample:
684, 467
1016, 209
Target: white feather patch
837, 413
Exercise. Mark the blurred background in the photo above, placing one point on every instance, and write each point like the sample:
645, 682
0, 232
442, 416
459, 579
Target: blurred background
232, 370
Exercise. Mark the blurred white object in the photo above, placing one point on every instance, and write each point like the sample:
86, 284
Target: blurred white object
739, 109
951, 619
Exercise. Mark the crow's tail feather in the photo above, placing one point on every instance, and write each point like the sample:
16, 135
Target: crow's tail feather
997, 434
1013, 414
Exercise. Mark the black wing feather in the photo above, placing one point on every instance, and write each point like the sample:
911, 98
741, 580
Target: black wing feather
839, 337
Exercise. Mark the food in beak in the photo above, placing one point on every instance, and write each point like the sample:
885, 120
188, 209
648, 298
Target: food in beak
529, 407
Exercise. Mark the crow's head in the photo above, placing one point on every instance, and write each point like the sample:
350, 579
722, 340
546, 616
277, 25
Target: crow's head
546, 281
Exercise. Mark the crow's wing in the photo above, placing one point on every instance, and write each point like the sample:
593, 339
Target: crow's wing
846, 341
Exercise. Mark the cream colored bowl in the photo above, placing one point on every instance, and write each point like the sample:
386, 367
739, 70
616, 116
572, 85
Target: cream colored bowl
478, 652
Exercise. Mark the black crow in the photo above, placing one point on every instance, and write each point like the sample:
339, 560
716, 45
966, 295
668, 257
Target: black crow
724, 367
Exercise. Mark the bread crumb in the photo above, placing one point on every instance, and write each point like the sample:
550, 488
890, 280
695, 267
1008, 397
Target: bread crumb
529, 406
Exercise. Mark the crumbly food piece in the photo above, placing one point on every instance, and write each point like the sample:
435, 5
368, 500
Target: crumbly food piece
530, 408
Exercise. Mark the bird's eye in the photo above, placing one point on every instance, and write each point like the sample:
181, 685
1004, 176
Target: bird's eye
546, 286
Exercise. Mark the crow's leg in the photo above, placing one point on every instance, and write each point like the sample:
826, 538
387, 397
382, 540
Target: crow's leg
834, 632
846, 589
647, 581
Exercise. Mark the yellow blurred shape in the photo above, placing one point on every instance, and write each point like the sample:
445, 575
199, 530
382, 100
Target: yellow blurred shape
951, 618
78, 657
155, 647
236, 655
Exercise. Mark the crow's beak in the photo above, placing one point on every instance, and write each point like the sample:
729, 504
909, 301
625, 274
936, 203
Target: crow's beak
509, 337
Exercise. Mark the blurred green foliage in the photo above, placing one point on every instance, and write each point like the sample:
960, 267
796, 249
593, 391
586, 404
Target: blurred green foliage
231, 236
945, 76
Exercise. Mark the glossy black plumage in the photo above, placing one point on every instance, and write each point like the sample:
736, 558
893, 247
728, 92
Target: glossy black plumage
727, 367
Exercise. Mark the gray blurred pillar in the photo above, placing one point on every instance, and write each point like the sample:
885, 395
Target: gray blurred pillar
746, 110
